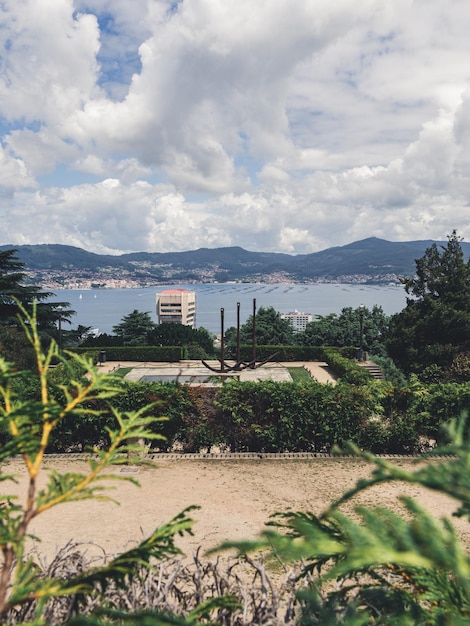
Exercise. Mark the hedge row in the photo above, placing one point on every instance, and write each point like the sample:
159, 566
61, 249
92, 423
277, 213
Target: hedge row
292, 353
171, 354
176, 353
260, 417
346, 369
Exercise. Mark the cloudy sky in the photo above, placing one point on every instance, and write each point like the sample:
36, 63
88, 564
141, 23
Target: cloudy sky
275, 125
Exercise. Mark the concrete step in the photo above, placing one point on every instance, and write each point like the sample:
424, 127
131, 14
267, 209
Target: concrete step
374, 370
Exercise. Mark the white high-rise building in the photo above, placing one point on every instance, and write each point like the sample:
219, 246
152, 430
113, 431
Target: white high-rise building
297, 320
177, 306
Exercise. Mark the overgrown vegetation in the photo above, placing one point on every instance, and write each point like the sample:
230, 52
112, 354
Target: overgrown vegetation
30, 422
270, 417
374, 567
379, 566
432, 333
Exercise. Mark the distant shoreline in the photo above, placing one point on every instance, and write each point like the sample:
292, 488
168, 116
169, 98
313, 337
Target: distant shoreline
366, 281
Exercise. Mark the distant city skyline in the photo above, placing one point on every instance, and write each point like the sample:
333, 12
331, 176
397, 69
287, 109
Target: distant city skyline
171, 125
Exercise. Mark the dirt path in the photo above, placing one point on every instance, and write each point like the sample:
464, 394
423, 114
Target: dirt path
236, 499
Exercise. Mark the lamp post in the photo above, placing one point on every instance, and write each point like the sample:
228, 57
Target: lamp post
222, 341
361, 324
59, 308
253, 334
238, 333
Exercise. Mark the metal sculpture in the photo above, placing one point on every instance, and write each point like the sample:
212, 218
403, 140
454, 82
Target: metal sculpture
239, 363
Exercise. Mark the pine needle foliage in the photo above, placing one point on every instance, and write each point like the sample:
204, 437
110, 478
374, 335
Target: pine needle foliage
29, 424
378, 565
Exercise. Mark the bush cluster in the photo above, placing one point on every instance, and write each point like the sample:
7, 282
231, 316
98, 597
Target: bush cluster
193, 351
278, 417
171, 354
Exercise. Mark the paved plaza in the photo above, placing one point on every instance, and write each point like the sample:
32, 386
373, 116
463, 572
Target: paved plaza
195, 373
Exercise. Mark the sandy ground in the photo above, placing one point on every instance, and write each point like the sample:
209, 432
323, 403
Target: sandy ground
236, 499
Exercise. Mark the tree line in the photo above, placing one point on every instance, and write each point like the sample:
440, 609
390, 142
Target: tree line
430, 337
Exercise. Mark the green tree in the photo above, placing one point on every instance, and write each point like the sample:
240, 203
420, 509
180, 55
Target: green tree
197, 340
205, 339
76, 336
138, 329
434, 327
271, 330
15, 347
15, 297
134, 328
13, 291
344, 329
442, 274
171, 335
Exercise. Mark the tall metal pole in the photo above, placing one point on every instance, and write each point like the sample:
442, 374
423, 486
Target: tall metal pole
238, 332
222, 341
59, 308
361, 323
253, 337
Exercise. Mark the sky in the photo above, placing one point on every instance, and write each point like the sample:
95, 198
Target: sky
277, 126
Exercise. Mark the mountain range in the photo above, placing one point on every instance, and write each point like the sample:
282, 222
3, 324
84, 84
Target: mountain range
369, 260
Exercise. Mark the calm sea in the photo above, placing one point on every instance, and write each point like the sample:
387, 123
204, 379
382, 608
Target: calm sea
104, 308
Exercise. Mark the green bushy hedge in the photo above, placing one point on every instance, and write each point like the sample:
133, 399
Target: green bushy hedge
275, 417
345, 368
252, 416
280, 417
171, 354
292, 353
176, 353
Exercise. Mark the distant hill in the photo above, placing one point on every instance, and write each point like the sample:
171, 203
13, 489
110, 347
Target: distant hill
369, 260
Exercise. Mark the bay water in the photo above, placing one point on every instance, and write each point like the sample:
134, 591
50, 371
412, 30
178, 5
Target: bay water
104, 308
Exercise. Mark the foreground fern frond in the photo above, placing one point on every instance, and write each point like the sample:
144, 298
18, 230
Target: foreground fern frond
383, 567
29, 424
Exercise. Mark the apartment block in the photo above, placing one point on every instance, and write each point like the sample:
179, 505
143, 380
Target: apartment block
297, 320
177, 306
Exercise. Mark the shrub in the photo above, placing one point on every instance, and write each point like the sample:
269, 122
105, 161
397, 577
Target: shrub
171, 354
345, 368
282, 353
276, 417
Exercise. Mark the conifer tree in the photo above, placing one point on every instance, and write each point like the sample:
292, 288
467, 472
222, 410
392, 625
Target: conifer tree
14, 292
434, 327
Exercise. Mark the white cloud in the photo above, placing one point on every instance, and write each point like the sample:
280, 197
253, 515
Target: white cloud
13, 174
49, 60
229, 122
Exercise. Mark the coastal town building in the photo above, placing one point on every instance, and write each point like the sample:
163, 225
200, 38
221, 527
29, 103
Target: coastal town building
177, 306
297, 320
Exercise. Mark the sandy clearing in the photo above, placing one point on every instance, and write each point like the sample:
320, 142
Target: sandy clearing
236, 499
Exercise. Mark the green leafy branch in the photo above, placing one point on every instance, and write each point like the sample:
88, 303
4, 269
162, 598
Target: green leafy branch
30, 423
382, 567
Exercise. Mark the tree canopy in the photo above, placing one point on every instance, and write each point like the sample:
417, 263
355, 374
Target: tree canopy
12, 289
345, 329
138, 329
182, 335
434, 327
271, 330
14, 294
442, 275
134, 328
